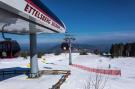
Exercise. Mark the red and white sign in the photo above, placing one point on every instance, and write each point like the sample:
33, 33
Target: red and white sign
27, 9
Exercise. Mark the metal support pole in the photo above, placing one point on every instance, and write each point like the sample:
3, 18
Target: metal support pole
69, 39
70, 53
33, 56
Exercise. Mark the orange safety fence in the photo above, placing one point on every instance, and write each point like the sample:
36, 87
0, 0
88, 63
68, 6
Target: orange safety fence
101, 71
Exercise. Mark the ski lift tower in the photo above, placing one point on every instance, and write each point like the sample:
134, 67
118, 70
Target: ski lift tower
69, 39
29, 17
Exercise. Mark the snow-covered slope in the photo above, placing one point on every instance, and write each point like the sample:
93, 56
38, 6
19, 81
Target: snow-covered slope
78, 78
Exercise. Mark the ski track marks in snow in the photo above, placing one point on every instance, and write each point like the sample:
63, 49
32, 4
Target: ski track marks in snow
78, 78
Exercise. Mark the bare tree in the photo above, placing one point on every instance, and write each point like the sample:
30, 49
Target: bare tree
96, 82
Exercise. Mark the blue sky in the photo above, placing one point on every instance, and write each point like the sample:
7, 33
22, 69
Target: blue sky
95, 16
93, 21
97, 20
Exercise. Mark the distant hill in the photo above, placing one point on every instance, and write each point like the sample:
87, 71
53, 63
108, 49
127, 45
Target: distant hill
55, 47
90, 48
40, 47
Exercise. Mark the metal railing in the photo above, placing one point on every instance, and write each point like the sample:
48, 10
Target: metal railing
5, 73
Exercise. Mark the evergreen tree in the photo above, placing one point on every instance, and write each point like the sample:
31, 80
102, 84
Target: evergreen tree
126, 50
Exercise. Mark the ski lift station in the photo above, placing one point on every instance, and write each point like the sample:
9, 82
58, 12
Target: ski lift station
29, 17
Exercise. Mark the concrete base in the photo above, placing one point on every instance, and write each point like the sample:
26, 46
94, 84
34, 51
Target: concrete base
35, 75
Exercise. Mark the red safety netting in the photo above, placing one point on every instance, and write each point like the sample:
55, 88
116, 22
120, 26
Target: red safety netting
101, 71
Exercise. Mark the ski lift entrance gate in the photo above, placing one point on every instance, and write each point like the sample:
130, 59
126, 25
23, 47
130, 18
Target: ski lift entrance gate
29, 17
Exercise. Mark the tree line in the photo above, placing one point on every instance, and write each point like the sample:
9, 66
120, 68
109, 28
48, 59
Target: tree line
125, 50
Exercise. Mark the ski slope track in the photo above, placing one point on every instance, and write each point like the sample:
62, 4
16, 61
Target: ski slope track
78, 78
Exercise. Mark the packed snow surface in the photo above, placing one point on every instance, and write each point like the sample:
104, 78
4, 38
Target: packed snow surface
78, 79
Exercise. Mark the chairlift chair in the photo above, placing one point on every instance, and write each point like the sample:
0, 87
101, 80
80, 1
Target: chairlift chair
65, 46
9, 48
